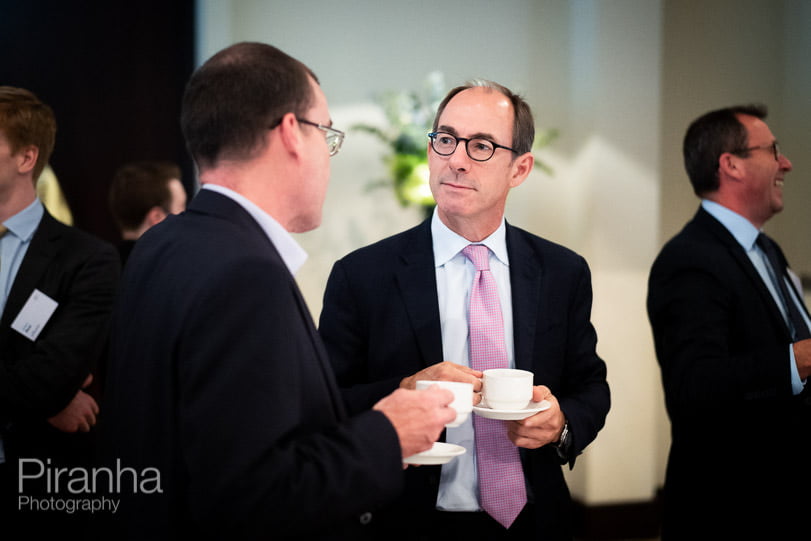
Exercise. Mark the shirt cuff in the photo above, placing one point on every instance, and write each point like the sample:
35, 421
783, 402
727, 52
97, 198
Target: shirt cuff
797, 384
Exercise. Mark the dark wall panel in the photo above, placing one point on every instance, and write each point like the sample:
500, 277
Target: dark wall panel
114, 74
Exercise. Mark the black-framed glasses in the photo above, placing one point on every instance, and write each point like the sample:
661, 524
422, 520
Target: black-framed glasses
477, 148
774, 147
335, 138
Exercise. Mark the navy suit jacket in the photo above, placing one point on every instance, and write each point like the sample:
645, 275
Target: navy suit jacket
39, 378
218, 379
380, 322
739, 436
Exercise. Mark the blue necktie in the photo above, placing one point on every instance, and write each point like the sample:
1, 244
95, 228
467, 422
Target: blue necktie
798, 328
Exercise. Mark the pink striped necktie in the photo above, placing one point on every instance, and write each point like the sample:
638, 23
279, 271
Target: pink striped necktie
501, 477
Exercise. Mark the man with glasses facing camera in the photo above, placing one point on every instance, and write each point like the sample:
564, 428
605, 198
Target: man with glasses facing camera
218, 379
731, 334
397, 311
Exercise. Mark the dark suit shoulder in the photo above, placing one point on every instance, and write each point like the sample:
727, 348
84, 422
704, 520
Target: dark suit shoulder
411, 246
190, 239
60, 254
523, 245
70, 239
50, 226
703, 242
539, 244
418, 237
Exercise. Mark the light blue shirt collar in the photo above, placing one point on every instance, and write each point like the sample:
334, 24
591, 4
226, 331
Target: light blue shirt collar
23, 224
292, 253
447, 244
742, 229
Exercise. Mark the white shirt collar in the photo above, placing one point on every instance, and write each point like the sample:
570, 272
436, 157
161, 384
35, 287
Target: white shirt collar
292, 253
447, 243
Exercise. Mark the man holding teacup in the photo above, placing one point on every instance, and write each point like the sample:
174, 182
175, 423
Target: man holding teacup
460, 295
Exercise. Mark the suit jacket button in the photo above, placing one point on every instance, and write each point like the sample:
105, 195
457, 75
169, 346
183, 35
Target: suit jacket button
366, 518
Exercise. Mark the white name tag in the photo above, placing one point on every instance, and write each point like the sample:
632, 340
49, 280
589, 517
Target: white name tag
35, 314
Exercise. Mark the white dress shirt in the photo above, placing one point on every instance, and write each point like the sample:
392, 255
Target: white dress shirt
458, 487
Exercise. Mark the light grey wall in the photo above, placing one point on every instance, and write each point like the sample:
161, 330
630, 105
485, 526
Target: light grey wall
727, 52
793, 226
361, 47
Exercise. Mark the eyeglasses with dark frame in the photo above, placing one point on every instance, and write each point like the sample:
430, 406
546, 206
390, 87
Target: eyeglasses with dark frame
335, 138
774, 147
482, 149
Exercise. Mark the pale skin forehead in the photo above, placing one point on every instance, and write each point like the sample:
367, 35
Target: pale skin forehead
479, 112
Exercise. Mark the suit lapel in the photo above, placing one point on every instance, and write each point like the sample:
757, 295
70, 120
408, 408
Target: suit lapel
526, 274
707, 222
416, 278
784, 263
320, 352
42, 250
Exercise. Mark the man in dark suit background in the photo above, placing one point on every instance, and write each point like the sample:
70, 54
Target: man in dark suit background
733, 358
218, 379
57, 286
395, 312
142, 194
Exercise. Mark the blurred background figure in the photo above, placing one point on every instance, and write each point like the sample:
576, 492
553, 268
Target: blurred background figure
52, 196
57, 287
733, 341
142, 194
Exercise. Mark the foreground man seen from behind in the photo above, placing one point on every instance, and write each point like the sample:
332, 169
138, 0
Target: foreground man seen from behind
217, 376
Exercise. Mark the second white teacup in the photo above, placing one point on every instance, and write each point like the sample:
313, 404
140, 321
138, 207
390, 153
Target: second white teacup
462, 397
507, 388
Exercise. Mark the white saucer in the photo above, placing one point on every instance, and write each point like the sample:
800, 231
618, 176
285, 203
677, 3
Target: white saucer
440, 453
512, 415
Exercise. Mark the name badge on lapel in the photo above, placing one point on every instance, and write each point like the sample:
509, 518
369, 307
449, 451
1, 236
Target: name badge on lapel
36, 312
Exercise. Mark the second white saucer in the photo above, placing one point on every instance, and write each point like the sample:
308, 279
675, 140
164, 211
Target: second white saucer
439, 453
512, 415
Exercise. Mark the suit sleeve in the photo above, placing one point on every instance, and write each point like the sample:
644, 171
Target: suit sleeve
584, 396
264, 445
346, 336
40, 379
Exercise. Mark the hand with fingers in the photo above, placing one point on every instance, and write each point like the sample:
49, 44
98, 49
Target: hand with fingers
418, 416
447, 371
542, 428
80, 413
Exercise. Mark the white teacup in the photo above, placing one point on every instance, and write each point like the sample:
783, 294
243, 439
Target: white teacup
462, 397
507, 388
